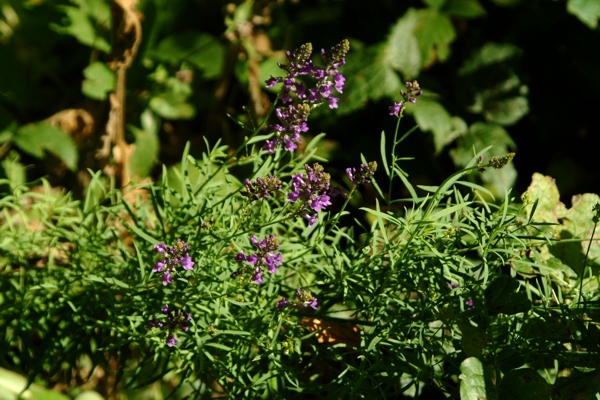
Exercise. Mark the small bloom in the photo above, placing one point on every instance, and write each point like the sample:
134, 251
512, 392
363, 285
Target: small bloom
264, 256
173, 256
469, 304
174, 320
366, 171
306, 299
453, 285
260, 188
311, 190
395, 109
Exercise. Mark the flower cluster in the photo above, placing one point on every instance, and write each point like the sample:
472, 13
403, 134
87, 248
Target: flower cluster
413, 91
175, 320
306, 300
173, 255
311, 189
365, 172
265, 256
292, 118
260, 188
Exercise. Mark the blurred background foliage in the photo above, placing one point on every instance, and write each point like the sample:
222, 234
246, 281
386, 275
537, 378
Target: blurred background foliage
521, 75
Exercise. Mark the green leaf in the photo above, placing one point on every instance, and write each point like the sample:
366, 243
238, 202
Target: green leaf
524, 384
472, 380
83, 26
432, 116
99, 80
588, 11
384, 154
403, 52
370, 77
464, 8
199, 48
434, 32
481, 135
491, 53
434, 3
146, 149
34, 139
543, 190
172, 108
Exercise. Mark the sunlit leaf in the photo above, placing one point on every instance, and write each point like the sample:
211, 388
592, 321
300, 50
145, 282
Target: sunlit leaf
99, 81
37, 138
588, 11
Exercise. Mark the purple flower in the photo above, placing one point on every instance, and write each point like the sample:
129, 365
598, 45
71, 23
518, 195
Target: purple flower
306, 299
311, 190
469, 304
174, 320
366, 171
395, 109
173, 255
264, 256
293, 118
414, 91
260, 188
453, 285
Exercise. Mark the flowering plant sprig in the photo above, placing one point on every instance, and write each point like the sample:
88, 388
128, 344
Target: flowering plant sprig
260, 188
365, 172
175, 320
173, 256
414, 91
306, 300
264, 256
311, 190
293, 117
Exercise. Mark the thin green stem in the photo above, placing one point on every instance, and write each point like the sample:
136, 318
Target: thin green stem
583, 270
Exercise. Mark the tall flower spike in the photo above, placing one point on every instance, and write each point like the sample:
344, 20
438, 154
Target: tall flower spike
172, 256
264, 256
293, 118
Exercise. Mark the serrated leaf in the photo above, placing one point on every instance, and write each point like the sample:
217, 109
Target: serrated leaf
472, 380
199, 48
464, 8
99, 80
432, 116
588, 11
434, 32
37, 138
403, 52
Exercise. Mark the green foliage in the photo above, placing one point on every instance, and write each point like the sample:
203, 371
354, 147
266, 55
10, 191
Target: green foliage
588, 11
99, 81
34, 139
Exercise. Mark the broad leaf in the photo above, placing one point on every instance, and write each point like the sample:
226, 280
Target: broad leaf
99, 80
472, 380
588, 11
37, 138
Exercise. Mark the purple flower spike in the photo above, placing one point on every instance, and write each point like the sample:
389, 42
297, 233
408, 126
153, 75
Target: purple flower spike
172, 256
264, 256
293, 117
174, 320
260, 188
